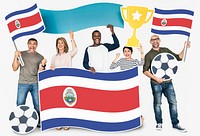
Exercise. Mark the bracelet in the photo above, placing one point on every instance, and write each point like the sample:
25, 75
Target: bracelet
142, 52
44, 66
73, 40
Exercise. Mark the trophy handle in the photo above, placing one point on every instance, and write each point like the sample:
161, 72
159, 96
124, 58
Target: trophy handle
122, 13
152, 11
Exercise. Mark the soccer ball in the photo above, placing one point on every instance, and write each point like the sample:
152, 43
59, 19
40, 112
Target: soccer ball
23, 119
164, 65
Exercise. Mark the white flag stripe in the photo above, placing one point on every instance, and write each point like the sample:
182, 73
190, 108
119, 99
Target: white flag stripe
89, 83
173, 16
91, 115
23, 15
26, 29
171, 28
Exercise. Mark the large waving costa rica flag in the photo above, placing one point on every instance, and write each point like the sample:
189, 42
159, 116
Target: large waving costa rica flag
175, 21
101, 101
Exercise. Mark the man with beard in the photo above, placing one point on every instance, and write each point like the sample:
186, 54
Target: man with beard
160, 86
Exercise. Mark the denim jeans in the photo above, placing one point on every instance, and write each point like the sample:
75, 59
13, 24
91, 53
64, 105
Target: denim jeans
22, 93
167, 89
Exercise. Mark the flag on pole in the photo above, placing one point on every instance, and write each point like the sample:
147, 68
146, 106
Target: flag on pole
78, 98
176, 21
25, 22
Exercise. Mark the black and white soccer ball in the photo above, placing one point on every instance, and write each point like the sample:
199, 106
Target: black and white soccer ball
164, 65
23, 119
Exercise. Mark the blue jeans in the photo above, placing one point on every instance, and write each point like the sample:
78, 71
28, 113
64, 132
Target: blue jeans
167, 89
22, 93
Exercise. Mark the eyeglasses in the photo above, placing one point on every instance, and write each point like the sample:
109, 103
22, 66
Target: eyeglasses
156, 39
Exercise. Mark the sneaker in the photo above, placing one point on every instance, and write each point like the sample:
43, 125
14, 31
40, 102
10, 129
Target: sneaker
178, 127
59, 128
66, 128
159, 126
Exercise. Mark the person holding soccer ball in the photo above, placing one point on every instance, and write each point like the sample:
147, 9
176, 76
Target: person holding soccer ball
161, 86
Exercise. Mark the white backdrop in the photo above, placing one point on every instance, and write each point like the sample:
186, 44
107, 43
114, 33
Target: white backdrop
185, 82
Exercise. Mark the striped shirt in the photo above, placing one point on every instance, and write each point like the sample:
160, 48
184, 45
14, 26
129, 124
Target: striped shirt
127, 64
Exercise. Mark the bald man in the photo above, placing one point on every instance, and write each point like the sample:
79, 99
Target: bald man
161, 86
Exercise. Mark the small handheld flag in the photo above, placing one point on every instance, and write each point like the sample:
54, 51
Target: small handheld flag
176, 21
24, 22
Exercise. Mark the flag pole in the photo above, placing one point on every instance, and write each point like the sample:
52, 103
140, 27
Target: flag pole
20, 57
185, 53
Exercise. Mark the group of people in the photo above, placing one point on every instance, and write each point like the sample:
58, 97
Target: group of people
96, 59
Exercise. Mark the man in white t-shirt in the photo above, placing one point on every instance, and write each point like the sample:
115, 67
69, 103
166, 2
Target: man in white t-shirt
96, 55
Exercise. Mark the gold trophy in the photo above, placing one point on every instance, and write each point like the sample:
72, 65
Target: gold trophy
136, 17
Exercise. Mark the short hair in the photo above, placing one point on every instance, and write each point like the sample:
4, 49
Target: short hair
130, 48
32, 39
96, 31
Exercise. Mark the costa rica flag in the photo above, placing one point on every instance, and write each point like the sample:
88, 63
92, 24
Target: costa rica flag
25, 22
78, 98
176, 21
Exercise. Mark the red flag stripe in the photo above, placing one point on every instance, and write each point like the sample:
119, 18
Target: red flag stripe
173, 22
25, 22
91, 99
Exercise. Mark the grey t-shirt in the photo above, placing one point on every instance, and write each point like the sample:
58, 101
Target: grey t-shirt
29, 72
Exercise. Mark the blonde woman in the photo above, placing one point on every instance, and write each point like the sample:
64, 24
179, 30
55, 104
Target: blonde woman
63, 57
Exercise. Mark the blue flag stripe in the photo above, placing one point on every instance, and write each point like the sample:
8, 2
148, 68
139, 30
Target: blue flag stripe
175, 11
21, 11
99, 126
165, 32
115, 76
98, 14
28, 33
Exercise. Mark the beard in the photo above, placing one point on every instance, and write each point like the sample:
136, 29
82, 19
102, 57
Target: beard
156, 45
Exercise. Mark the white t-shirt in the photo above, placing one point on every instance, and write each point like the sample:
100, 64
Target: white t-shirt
98, 57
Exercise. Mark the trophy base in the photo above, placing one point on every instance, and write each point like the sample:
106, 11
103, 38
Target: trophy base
133, 42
